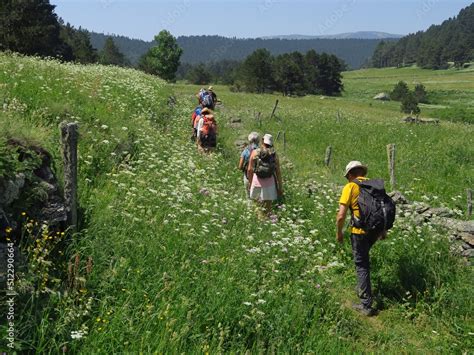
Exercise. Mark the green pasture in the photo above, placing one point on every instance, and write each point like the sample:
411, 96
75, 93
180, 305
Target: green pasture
170, 257
434, 162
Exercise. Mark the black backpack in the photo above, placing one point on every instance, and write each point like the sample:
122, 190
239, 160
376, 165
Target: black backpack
265, 163
377, 209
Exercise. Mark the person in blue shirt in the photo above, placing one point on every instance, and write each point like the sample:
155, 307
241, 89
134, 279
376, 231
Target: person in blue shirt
196, 113
253, 141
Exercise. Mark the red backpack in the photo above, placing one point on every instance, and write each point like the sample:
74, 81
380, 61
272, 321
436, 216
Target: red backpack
208, 132
209, 126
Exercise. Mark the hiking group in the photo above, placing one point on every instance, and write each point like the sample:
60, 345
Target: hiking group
203, 120
372, 210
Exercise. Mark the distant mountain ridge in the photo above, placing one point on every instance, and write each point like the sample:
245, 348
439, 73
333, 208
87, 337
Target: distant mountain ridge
347, 35
204, 49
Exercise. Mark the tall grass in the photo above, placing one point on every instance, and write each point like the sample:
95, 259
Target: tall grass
180, 262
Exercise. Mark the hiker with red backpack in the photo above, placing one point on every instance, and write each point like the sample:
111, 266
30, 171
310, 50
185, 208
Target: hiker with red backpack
253, 141
372, 215
264, 175
206, 131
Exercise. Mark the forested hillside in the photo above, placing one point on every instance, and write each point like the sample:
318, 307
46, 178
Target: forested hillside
202, 49
452, 41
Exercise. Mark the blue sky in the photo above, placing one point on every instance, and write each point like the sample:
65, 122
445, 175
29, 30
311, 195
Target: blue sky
145, 18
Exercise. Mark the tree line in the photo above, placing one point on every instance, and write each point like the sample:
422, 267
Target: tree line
31, 27
205, 49
452, 41
289, 73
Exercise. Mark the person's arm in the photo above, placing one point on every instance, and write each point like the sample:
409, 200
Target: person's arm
278, 178
340, 219
241, 163
243, 157
200, 124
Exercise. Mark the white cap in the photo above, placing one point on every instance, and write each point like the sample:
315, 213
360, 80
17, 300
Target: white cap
268, 139
354, 164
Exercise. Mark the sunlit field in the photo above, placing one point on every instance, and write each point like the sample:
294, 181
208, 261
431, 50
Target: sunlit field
181, 263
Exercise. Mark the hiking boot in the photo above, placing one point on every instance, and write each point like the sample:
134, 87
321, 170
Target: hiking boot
366, 311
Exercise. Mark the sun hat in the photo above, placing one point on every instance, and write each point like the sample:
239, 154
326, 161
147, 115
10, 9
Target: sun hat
268, 139
210, 88
354, 164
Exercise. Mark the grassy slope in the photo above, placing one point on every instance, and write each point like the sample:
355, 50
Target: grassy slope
180, 262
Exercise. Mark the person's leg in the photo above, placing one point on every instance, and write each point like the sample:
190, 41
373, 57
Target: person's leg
360, 250
246, 186
267, 207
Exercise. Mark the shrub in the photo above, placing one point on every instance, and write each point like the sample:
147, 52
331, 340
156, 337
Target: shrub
421, 94
410, 104
399, 91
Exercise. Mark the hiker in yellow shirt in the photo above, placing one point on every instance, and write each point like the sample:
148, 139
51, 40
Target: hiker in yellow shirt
360, 240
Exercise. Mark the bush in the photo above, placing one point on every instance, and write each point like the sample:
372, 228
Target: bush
421, 94
410, 104
399, 91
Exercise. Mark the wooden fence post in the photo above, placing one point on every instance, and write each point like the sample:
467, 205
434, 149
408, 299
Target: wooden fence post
391, 150
274, 109
327, 158
69, 140
469, 202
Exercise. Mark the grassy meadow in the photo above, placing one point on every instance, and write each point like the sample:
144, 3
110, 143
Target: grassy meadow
170, 257
434, 162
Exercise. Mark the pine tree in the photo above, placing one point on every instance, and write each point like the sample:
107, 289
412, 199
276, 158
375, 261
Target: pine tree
110, 54
421, 94
329, 80
312, 72
256, 72
80, 44
399, 91
31, 27
410, 104
289, 74
164, 58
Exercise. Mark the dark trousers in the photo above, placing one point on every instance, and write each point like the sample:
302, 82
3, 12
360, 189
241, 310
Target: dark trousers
361, 244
